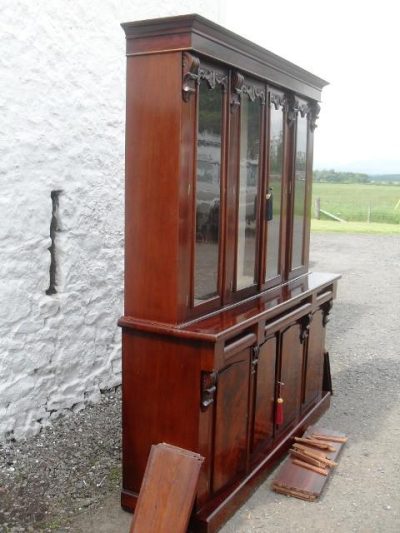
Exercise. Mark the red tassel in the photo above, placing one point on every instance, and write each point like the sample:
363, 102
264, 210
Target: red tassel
279, 412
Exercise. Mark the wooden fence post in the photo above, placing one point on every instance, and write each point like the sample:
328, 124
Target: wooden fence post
317, 208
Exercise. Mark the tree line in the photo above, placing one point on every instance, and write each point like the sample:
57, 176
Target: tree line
332, 176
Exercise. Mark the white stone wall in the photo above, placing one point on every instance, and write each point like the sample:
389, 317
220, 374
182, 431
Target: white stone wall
62, 105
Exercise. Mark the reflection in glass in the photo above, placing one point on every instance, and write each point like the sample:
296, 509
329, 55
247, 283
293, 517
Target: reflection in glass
250, 122
299, 191
275, 187
209, 143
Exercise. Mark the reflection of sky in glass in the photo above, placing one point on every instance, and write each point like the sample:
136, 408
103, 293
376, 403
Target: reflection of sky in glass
250, 114
275, 181
208, 192
299, 191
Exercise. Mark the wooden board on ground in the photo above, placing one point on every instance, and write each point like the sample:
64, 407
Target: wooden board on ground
301, 482
168, 490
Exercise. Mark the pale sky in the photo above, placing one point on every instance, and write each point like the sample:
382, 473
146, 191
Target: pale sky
355, 46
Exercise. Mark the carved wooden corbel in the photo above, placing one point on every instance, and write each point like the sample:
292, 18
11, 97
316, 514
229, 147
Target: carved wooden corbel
190, 75
291, 108
313, 112
326, 309
305, 322
237, 82
208, 388
255, 353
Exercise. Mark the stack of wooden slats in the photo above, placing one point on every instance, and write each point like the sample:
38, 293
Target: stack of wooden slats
311, 460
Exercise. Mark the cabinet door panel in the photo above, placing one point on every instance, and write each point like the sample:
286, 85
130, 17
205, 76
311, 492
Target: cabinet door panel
231, 421
315, 359
264, 394
291, 373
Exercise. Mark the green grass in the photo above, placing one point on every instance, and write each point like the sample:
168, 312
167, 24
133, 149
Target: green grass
114, 475
351, 201
354, 227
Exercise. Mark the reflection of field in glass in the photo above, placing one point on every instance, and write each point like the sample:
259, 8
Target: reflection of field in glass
352, 201
272, 266
246, 259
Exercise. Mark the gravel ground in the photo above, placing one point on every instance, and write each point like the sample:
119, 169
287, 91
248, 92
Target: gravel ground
68, 467
47, 482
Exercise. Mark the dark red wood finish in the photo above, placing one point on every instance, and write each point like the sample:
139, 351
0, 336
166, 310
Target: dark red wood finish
205, 377
314, 363
165, 466
264, 394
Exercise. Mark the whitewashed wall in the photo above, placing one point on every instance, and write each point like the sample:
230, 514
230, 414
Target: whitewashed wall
62, 105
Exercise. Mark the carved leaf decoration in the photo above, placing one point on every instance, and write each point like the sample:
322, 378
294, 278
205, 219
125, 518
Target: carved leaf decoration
213, 78
239, 89
293, 107
277, 101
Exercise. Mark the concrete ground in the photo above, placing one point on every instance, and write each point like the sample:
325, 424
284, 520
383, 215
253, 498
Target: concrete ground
363, 495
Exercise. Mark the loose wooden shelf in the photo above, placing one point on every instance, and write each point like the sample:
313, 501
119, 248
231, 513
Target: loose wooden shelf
220, 306
168, 490
297, 477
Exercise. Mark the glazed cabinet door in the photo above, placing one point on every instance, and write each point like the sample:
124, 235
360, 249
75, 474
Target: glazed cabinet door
291, 373
231, 420
315, 359
275, 197
204, 144
264, 394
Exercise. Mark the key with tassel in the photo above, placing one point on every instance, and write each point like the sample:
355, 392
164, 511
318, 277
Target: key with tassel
279, 406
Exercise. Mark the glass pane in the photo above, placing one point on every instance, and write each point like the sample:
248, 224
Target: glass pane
209, 144
299, 191
250, 122
273, 207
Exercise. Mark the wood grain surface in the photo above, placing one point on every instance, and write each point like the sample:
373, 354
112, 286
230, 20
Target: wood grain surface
168, 490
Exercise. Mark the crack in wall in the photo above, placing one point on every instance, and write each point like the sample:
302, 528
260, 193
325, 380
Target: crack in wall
54, 228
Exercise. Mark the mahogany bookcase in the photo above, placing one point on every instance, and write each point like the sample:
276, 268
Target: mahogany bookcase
222, 315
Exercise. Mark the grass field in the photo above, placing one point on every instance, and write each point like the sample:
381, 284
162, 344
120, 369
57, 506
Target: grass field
353, 201
377, 228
